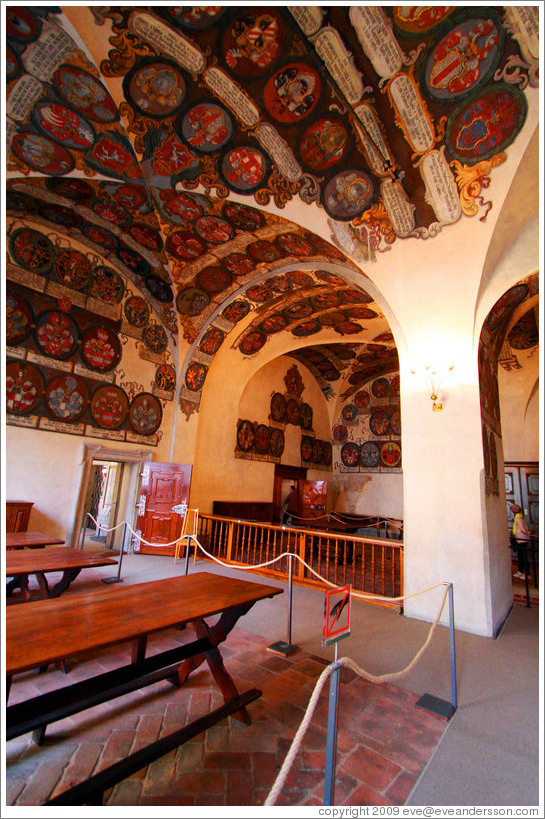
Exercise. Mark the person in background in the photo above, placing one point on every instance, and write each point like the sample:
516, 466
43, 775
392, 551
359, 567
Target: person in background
291, 505
521, 536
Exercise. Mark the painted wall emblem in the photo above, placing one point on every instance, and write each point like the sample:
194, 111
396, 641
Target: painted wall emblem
145, 413
85, 93
370, 454
56, 334
243, 217
463, 59
487, 124
292, 93
109, 406
236, 311
100, 349
78, 190
244, 168
214, 279
73, 268
136, 311
195, 376
19, 318
419, 19
21, 26
212, 340
324, 144
24, 387
156, 89
41, 153
63, 125
348, 194
32, 250
106, 284
66, 397
191, 301
185, 245
207, 127
253, 42
159, 288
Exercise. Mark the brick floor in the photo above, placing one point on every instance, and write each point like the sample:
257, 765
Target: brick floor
384, 740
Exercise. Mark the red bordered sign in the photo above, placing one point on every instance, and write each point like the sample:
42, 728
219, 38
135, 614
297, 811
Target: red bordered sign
336, 615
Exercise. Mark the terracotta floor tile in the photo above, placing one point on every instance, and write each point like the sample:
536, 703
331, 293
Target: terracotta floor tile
383, 740
371, 768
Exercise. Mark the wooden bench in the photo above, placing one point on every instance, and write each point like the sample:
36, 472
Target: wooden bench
22, 563
50, 630
30, 540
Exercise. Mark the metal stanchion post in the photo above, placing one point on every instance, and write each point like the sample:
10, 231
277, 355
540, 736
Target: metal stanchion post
526, 572
83, 530
454, 695
331, 746
282, 647
117, 579
435, 705
187, 554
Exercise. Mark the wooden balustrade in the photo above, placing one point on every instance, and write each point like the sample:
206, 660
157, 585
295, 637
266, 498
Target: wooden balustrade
370, 565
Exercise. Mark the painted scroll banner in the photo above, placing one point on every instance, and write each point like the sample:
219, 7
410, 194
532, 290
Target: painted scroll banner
234, 97
308, 18
42, 57
400, 210
441, 188
376, 150
524, 23
377, 39
171, 43
279, 151
415, 122
26, 91
339, 63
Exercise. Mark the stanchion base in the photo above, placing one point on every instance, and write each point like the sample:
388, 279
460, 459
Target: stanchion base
434, 705
112, 579
282, 648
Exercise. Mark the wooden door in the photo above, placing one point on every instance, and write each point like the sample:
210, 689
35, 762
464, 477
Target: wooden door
313, 499
283, 477
163, 486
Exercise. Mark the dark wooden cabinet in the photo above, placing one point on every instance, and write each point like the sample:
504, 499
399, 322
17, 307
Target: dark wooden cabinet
17, 515
245, 510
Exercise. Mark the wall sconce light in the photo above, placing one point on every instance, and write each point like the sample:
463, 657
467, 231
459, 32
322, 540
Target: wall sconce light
433, 380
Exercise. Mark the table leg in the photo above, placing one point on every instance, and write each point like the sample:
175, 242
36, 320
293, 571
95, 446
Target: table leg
139, 649
19, 581
43, 584
67, 576
217, 634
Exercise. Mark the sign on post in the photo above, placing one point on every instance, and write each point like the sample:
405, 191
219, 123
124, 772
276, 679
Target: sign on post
336, 615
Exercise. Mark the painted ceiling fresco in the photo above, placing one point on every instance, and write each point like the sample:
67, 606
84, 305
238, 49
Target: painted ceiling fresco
153, 175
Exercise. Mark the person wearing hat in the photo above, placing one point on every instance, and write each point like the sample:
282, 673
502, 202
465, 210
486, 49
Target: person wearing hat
521, 535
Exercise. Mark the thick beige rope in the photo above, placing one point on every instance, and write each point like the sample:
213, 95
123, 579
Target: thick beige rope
344, 661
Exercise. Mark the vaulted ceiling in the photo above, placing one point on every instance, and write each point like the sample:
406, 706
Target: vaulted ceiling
240, 167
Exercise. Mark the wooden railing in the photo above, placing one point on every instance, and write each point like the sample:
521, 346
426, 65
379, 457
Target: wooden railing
370, 565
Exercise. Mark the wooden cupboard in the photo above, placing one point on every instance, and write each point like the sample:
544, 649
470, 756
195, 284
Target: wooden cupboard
18, 515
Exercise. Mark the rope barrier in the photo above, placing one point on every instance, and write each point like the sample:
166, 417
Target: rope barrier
344, 661
253, 567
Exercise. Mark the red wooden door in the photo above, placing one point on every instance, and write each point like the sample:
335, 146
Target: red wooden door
163, 486
313, 499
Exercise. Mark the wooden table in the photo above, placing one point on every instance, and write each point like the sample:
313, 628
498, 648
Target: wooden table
50, 630
20, 564
30, 540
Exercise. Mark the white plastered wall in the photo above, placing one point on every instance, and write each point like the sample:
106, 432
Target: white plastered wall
246, 394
